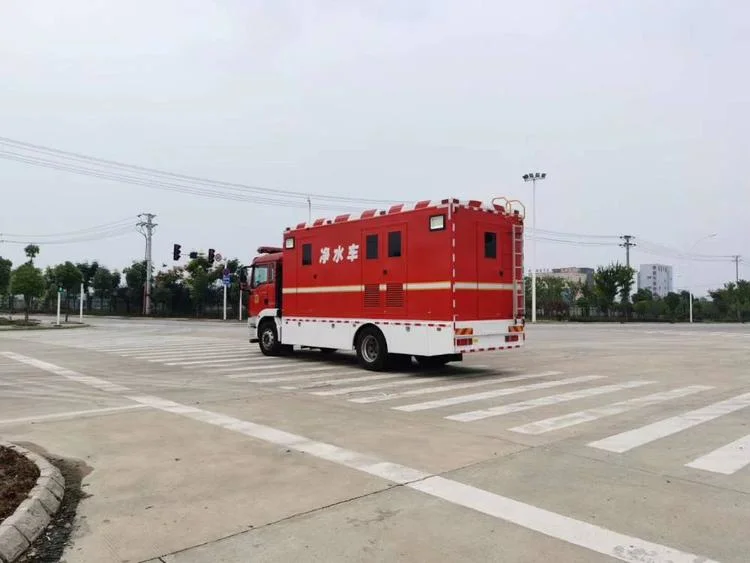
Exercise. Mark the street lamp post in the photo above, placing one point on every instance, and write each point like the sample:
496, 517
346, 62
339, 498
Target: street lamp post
533, 177
690, 284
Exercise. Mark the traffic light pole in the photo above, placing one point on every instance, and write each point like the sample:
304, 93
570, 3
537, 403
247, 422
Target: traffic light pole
225, 288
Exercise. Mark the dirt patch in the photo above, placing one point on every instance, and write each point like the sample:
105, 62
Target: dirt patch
49, 546
18, 476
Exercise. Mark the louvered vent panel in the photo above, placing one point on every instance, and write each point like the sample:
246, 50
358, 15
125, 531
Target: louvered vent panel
394, 295
372, 295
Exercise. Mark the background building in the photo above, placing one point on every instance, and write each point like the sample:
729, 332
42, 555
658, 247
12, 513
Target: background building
656, 277
572, 274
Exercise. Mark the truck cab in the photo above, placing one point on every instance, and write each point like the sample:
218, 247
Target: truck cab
263, 283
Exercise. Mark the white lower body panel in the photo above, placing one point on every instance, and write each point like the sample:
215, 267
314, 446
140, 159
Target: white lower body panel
418, 338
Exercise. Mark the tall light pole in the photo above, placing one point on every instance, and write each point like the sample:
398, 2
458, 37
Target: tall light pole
533, 177
690, 284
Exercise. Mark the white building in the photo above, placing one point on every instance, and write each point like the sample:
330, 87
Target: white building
657, 278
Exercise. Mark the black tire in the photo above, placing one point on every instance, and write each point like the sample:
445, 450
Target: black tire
372, 350
432, 362
268, 339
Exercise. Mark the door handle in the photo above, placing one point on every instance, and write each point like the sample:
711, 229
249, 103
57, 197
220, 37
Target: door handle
265, 301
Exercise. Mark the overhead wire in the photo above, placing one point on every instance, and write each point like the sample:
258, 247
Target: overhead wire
79, 160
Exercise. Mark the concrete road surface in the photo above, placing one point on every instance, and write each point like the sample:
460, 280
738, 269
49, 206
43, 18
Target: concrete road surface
593, 443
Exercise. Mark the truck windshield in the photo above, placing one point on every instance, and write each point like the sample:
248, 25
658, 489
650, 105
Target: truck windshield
261, 275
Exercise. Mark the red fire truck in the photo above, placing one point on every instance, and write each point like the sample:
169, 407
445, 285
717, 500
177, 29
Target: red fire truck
433, 280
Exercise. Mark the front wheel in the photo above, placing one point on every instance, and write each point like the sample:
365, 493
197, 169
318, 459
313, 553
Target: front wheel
372, 350
268, 339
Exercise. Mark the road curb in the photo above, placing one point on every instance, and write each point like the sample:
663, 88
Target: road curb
18, 531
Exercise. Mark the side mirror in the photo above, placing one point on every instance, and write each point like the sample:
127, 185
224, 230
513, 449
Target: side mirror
242, 271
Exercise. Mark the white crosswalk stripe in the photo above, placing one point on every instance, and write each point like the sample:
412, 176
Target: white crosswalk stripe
546, 401
726, 459
645, 434
494, 394
580, 417
454, 387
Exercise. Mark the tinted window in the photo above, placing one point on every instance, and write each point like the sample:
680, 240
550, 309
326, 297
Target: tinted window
394, 244
490, 245
306, 254
372, 247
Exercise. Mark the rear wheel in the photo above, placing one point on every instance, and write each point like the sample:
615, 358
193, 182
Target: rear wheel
372, 350
268, 339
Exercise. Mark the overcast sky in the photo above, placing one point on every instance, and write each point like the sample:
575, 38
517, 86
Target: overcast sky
637, 111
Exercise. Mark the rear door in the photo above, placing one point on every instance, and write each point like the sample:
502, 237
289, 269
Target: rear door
492, 276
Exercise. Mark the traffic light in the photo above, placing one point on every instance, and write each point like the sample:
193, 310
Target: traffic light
193, 255
176, 251
211, 255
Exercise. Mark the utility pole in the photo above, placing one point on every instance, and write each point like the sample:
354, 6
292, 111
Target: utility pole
627, 244
533, 177
737, 268
309, 210
147, 230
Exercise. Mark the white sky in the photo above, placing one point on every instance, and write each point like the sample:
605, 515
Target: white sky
637, 110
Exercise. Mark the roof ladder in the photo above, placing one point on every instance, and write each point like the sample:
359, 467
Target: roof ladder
519, 285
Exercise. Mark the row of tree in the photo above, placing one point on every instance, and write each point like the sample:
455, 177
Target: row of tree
196, 290
191, 290
609, 295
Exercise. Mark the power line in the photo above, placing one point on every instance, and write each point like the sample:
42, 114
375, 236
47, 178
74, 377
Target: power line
80, 162
111, 224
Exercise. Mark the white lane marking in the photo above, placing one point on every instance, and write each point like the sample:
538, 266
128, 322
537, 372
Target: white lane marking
193, 353
292, 366
645, 434
494, 394
270, 362
205, 357
545, 401
564, 528
73, 376
429, 390
166, 347
344, 381
71, 414
359, 389
727, 459
574, 418
207, 361
320, 373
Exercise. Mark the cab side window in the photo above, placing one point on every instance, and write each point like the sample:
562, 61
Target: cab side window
261, 275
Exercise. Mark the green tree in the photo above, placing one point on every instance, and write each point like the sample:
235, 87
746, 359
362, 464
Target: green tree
31, 251
606, 285
28, 281
198, 281
6, 267
105, 284
135, 280
69, 278
88, 272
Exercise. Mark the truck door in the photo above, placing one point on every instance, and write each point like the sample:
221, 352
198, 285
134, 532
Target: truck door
262, 288
394, 264
372, 252
491, 273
